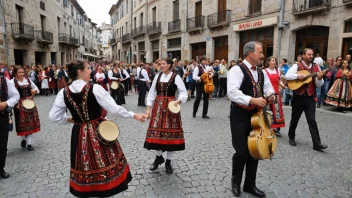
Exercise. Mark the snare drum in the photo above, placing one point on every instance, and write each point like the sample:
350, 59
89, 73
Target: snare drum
28, 104
114, 85
174, 109
107, 132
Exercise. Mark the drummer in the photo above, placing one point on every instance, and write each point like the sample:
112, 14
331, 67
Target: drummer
27, 120
97, 169
117, 94
125, 77
165, 131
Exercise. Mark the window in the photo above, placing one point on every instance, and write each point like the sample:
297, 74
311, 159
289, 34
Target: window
72, 11
134, 3
42, 22
122, 11
141, 19
255, 6
176, 10
154, 14
19, 14
174, 42
126, 6
58, 24
64, 3
155, 44
348, 26
42, 5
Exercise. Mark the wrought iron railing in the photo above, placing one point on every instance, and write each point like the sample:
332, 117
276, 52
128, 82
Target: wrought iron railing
126, 38
219, 18
112, 41
195, 23
154, 28
73, 40
22, 30
305, 5
44, 36
138, 31
174, 26
63, 38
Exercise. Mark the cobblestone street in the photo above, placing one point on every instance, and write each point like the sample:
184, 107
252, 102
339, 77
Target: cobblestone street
202, 170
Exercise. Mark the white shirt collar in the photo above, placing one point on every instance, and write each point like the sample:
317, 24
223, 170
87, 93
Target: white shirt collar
247, 63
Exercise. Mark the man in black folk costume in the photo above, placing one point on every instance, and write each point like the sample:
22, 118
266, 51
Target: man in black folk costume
246, 87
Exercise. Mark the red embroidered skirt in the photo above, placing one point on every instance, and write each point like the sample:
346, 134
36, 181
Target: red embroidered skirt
165, 131
97, 169
27, 122
52, 83
278, 113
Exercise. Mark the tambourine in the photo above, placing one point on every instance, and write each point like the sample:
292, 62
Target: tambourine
28, 104
114, 85
107, 132
174, 109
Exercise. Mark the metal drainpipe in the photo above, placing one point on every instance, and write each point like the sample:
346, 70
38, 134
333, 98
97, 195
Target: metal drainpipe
280, 27
5, 34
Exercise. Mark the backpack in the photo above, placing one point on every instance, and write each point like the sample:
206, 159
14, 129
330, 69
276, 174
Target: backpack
208, 83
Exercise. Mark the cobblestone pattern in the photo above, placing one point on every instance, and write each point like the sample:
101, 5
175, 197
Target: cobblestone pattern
202, 170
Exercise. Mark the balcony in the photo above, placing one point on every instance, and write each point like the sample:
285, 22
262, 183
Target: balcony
64, 38
141, 30
219, 19
301, 7
44, 37
347, 2
195, 23
112, 41
126, 38
174, 26
73, 41
154, 28
21, 31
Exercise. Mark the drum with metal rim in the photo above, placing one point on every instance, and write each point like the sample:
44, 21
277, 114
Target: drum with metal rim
28, 104
114, 85
107, 132
174, 109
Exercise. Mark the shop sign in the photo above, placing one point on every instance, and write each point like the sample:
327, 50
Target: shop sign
255, 24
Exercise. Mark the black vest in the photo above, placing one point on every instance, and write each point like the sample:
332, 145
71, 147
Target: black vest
24, 91
166, 88
83, 105
116, 75
3, 88
201, 71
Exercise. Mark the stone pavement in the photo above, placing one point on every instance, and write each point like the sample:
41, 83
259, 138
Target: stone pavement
202, 170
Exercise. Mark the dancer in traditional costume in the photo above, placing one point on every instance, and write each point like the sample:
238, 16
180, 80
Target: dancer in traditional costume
340, 93
125, 78
27, 120
100, 78
97, 169
276, 108
165, 131
43, 75
117, 94
9, 97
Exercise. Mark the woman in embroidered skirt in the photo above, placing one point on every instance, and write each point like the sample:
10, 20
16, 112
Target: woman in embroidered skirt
100, 78
276, 108
97, 169
43, 75
27, 121
165, 131
340, 93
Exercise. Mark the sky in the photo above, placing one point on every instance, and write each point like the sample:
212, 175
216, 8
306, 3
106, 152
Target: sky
97, 10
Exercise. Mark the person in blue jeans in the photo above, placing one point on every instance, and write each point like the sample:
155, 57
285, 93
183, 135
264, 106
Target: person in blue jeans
216, 69
328, 78
319, 90
287, 92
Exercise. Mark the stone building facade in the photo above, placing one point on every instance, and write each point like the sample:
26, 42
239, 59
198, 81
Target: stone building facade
144, 30
44, 31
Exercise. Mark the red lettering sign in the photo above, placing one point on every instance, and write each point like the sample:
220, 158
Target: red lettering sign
250, 24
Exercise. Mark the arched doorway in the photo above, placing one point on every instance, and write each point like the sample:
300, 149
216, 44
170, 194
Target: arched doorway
314, 37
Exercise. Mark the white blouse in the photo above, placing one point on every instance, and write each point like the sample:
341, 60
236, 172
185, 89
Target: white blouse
100, 75
182, 92
58, 111
25, 82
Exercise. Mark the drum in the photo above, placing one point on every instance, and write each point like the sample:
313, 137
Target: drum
121, 87
114, 85
174, 109
28, 104
107, 132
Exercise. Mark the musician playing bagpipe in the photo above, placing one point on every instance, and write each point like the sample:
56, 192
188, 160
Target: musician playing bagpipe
26, 113
246, 87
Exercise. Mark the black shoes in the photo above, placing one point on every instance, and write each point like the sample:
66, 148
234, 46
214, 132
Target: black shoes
194, 115
277, 133
168, 167
23, 143
158, 160
320, 147
319, 105
205, 117
236, 189
30, 148
292, 142
4, 175
254, 191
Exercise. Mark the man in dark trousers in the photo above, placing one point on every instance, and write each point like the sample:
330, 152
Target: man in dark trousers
304, 98
143, 83
197, 73
9, 97
246, 87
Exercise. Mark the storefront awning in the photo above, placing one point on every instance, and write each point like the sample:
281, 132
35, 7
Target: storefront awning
91, 55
